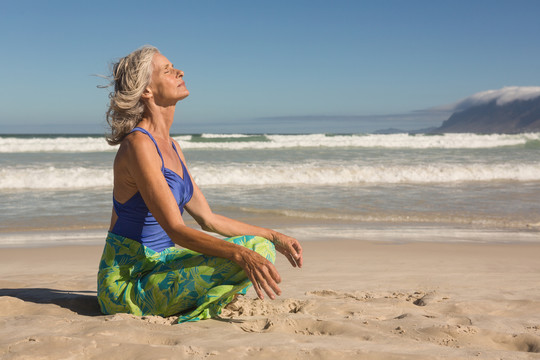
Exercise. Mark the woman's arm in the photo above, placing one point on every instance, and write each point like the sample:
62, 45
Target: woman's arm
199, 209
144, 167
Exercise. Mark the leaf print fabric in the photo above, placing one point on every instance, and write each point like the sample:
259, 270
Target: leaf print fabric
137, 280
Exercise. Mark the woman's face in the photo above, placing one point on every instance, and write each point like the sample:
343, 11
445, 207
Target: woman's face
167, 85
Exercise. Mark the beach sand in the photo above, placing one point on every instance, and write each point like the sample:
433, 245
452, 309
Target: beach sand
353, 299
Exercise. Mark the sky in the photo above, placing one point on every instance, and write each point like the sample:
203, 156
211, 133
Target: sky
276, 66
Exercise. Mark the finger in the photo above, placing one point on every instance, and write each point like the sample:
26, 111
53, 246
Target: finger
269, 285
271, 269
269, 279
294, 254
299, 258
291, 259
274, 281
256, 286
268, 290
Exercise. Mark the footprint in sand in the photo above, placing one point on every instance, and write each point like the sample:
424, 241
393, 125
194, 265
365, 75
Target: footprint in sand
419, 298
359, 296
305, 326
523, 342
252, 307
460, 321
425, 299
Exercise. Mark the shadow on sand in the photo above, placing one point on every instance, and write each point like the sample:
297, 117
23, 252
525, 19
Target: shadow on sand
81, 302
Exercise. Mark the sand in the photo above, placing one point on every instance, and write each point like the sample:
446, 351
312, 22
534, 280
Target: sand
352, 300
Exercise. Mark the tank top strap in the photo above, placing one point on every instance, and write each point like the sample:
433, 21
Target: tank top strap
184, 170
144, 131
176, 151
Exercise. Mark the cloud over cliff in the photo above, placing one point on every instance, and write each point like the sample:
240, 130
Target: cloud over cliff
501, 96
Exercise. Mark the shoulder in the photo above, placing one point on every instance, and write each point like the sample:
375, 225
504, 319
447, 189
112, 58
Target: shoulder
136, 148
136, 142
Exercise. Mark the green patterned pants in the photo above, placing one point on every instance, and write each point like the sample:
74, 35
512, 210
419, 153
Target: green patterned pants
137, 280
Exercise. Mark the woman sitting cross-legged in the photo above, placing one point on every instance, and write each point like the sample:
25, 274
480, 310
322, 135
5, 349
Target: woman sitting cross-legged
141, 271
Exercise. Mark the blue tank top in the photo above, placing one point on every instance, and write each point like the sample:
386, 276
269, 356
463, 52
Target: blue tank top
136, 222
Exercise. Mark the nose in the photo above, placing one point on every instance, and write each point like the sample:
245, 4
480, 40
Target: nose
179, 73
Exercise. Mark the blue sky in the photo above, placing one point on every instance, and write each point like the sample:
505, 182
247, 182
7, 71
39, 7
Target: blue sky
267, 66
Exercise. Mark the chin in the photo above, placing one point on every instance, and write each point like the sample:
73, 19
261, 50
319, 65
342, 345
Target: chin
184, 95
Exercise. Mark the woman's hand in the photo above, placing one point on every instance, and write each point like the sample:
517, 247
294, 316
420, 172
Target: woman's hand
261, 272
289, 247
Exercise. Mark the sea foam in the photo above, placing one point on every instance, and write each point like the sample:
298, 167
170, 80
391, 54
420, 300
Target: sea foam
246, 142
316, 174
54, 144
51, 177
321, 174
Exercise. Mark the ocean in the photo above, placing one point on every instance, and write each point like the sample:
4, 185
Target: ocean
57, 189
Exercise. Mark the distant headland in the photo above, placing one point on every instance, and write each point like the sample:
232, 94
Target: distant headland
518, 116
509, 110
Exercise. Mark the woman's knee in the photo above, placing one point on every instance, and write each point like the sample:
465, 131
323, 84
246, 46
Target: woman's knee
262, 246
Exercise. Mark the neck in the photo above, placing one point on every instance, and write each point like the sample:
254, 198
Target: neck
158, 120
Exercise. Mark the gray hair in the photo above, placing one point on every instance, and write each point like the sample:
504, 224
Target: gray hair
130, 77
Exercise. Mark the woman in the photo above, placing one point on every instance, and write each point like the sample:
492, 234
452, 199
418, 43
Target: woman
141, 272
